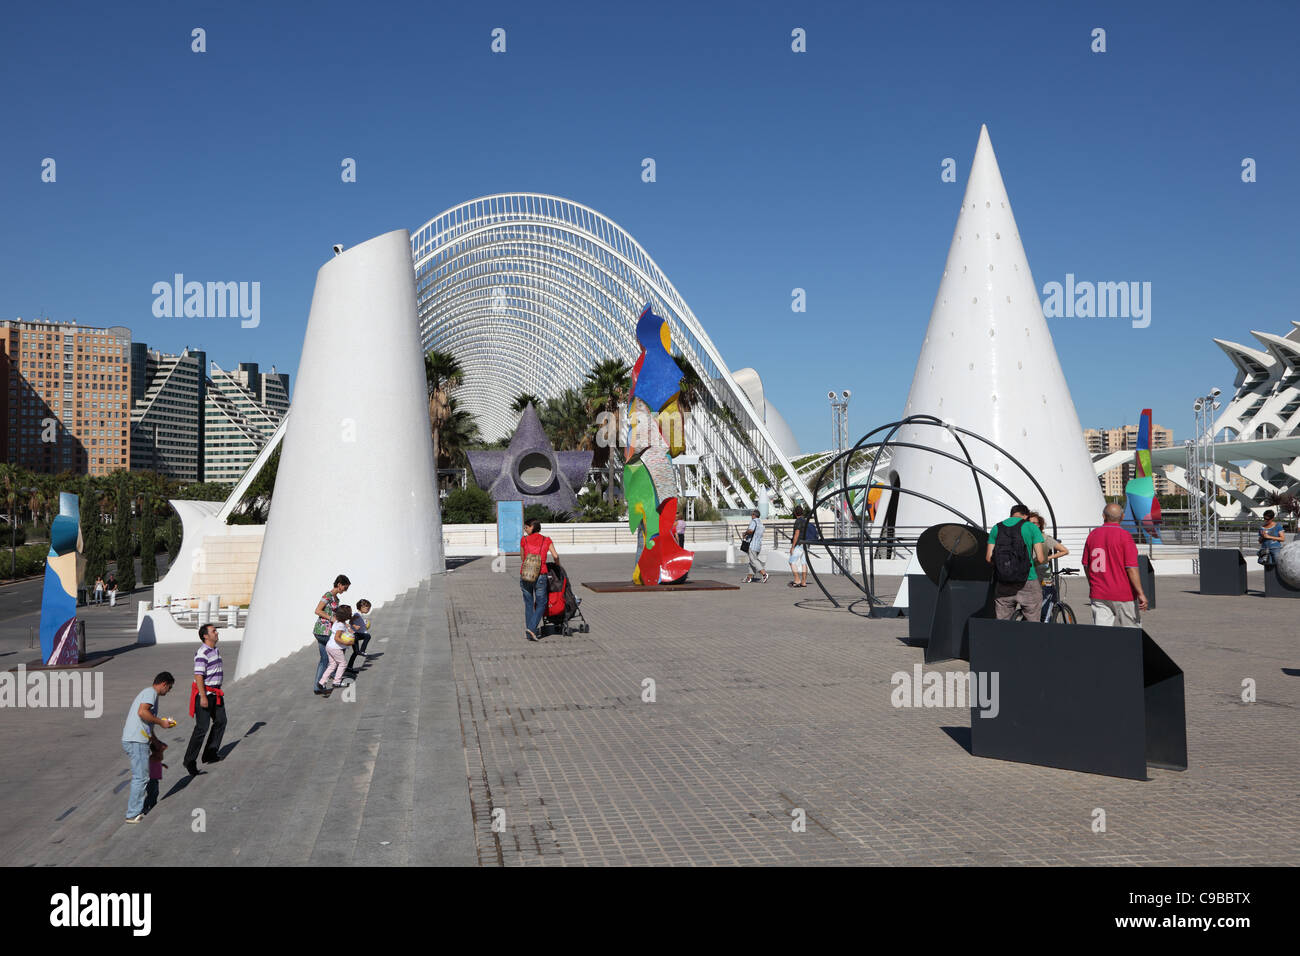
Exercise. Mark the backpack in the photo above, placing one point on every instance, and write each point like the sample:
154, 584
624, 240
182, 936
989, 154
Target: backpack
810, 532
1011, 554
531, 569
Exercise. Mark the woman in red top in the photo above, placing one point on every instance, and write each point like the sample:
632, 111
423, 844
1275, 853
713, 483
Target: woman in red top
536, 544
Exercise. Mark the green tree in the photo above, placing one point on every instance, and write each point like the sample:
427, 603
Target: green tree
523, 400
606, 387
459, 431
468, 505
10, 482
566, 421
148, 545
123, 543
442, 373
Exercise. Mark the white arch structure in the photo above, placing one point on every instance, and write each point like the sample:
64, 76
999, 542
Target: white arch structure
529, 291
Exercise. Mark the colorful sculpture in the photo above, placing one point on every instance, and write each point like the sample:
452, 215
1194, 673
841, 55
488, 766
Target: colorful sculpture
63, 569
655, 432
1141, 508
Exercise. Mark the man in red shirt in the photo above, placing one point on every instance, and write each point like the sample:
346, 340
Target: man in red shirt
1110, 560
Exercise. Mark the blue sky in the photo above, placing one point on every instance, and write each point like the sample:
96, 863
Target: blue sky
775, 170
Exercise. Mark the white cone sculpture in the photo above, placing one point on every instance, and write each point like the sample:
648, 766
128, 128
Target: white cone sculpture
988, 364
355, 490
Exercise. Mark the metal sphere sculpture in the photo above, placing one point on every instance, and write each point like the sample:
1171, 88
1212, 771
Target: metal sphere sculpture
858, 500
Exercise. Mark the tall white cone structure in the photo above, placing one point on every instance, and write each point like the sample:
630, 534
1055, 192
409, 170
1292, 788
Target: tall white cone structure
988, 364
355, 490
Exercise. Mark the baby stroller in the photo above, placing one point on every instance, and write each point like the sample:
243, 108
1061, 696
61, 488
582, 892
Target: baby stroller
562, 605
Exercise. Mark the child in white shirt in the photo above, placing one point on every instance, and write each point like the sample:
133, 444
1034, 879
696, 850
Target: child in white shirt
340, 636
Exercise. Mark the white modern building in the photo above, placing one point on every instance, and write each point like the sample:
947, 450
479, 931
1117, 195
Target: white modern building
1257, 433
242, 411
529, 291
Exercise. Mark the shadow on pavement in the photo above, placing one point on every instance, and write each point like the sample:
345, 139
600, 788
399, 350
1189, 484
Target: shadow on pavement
961, 735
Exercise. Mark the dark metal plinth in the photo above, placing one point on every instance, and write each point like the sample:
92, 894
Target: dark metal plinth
1101, 700
921, 595
627, 587
1223, 571
1275, 587
1147, 577
957, 603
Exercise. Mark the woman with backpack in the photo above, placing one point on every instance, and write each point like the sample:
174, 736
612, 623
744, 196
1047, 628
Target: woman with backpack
534, 550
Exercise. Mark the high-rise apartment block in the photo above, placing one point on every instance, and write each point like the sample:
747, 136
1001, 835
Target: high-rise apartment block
66, 396
243, 409
1101, 441
168, 394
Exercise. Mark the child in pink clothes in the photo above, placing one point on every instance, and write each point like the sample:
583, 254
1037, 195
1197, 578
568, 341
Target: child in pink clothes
338, 663
156, 767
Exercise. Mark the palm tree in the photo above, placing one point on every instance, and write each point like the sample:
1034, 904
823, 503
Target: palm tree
564, 419
607, 386
442, 373
459, 431
9, 483
523, 400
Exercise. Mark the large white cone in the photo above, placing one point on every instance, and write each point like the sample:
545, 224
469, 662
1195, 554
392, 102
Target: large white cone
988, 364
354, 493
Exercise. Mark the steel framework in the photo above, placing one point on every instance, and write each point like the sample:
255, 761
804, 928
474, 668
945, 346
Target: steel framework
529, 291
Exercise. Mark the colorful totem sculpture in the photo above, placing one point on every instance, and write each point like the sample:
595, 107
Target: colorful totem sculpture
1141, 508
63, 569
655, 433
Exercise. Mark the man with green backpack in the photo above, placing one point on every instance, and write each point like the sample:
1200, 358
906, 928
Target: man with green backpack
1015, 546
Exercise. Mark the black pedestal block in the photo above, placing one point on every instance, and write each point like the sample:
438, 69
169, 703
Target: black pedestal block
1223, 571
1147, 576
1101, 700
1276, 587
956, 603
921, 595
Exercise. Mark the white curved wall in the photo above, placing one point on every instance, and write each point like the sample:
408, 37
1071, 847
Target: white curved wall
355, 489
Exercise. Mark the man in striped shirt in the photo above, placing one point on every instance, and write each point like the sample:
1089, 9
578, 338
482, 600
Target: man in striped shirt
206, 693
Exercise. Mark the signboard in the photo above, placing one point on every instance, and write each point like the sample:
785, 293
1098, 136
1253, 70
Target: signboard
510, 526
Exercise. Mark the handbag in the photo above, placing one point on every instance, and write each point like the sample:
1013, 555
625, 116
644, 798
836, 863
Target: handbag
745, 540
532, 568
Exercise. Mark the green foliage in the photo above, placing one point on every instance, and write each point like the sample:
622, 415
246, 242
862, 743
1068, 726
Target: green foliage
204, 491
96, 563
704, 511
171, 532
567, 422
544, 514
148, 546
469, 505
11, 536
123, 542
25, 561
596, 508
255, 506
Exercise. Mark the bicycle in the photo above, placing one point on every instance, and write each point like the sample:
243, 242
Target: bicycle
1055, 611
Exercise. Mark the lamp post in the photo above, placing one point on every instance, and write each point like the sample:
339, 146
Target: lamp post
840, 437
1203, 484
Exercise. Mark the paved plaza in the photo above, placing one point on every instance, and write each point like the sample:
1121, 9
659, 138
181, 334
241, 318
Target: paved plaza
466, 744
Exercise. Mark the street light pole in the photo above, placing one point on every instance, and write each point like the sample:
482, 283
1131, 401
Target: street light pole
840, 430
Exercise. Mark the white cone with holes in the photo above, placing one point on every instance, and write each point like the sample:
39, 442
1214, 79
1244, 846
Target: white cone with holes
354, 493
988, 364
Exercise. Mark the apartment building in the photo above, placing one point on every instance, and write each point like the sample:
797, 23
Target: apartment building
67, 396
1101, 441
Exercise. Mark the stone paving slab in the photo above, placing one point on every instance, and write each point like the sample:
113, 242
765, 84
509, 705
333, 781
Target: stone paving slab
767, 700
